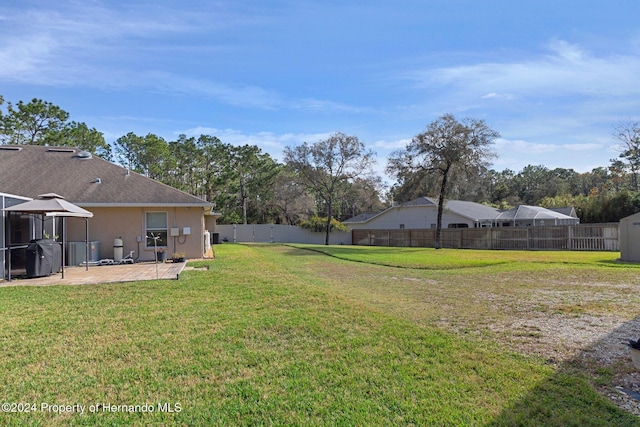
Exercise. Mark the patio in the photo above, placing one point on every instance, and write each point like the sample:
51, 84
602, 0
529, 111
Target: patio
104, 274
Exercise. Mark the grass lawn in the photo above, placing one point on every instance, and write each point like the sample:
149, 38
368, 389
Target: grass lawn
432, 259
280, 335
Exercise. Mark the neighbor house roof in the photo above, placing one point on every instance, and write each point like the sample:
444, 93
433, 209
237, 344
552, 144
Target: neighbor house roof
82, 179
472, 210
363, 217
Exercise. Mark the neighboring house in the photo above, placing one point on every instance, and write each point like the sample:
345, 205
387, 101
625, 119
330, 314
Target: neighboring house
422, 213
125, 204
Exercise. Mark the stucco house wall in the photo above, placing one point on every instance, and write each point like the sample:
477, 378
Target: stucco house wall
129, 224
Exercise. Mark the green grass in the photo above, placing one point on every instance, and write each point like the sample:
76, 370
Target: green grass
443, 259
270, 336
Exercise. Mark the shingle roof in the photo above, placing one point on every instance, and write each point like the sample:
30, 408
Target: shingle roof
363, 217
421, 201
30, 170
472, 210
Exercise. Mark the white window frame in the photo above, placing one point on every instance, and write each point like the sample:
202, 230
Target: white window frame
163, 242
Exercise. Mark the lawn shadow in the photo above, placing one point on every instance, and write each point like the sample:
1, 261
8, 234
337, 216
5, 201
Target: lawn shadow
568, 397
618, 263
352, 249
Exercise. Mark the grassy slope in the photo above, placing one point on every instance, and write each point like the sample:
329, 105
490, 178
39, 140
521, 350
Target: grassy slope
259, 340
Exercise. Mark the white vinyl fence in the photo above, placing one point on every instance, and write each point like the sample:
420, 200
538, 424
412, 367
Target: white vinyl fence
276, 233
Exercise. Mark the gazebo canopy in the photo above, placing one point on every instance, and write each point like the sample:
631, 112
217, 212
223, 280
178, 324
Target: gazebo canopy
51, 204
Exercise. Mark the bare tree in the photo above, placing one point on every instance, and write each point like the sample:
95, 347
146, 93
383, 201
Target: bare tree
628, 135
292, 199
451, 150
324, 166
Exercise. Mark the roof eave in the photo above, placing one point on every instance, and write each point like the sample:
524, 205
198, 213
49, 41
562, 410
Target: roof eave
143, 205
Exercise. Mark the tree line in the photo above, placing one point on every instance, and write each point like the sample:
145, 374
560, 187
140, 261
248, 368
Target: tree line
332, 178
245, 184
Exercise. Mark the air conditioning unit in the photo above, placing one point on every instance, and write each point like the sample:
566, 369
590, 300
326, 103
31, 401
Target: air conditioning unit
77, 252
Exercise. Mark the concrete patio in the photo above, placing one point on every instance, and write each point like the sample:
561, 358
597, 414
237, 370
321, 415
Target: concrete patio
104, 274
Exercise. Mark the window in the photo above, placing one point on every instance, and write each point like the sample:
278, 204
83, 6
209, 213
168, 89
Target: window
460, 225
401, 226
156, 226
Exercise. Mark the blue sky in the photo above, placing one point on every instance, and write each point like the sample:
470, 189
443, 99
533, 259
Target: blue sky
553, 77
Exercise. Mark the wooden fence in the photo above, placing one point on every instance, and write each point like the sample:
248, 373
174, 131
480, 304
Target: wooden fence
584, 237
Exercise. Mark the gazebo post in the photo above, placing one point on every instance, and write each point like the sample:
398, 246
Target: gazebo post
9, 243
62, 231
86, 243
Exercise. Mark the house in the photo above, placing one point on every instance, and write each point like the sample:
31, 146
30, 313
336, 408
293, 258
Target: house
128, 209
422, 213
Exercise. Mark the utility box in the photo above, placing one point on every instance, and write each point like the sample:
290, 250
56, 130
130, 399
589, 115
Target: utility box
44, 257
630, 238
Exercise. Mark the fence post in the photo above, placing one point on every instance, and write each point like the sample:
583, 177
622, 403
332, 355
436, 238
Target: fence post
491, 237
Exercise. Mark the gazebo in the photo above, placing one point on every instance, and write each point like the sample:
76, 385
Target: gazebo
51, 205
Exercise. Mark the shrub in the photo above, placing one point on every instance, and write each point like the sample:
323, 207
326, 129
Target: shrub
319, 224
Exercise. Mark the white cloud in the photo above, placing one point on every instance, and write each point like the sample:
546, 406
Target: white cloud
582, 147
85, 43
494, 95
324, 106
566, 50
524, 147
392, 145
566, 69
528, 147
